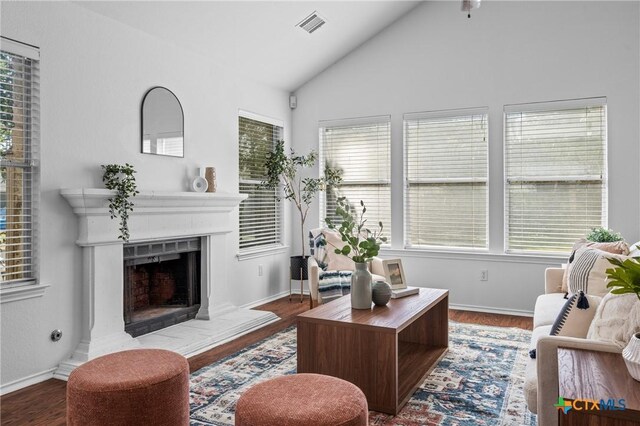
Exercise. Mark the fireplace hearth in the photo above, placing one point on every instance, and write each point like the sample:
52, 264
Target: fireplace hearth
161, 284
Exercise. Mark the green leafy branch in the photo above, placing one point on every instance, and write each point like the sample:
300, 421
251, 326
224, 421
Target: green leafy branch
626, 277
122, 180
361, 244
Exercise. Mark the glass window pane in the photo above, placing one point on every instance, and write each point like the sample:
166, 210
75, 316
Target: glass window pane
555, 167
260, 213
18, 175
362, 153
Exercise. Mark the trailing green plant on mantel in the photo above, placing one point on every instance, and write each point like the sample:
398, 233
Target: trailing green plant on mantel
122, 180
362, 244
603, 235
626, 277
283, 169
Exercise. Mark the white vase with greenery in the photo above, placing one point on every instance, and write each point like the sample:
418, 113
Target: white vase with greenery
361, 245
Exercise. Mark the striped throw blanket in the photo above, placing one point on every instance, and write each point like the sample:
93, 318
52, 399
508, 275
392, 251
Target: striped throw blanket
333, 284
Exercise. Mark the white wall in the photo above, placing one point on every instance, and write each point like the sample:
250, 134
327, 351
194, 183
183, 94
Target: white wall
94, 73
508, 52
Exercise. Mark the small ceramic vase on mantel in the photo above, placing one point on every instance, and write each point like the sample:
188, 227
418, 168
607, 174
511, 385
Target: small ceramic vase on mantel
361, 287
631, 355
210, 176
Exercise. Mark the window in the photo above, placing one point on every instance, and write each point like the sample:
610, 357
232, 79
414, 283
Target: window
446, 179
19, 134
360, 149
260, 214
555, 173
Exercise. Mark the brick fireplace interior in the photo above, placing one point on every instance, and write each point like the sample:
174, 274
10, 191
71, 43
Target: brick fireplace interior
161, 284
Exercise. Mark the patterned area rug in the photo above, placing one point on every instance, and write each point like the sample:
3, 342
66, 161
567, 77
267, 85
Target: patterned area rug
478, 382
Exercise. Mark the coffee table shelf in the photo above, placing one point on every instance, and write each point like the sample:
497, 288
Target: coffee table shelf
413, 358
385, 351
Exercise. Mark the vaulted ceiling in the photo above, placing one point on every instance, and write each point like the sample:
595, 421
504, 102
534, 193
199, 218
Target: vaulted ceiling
260, 39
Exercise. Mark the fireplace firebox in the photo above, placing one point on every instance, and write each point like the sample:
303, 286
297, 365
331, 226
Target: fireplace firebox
161, 284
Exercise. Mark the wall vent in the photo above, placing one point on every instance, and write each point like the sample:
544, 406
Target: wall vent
312, 22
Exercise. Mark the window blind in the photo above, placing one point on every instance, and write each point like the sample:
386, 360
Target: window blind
446, 179
19, 137
260, 213
360, 149
556, 173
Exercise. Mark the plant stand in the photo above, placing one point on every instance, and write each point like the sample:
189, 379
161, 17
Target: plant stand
298, 271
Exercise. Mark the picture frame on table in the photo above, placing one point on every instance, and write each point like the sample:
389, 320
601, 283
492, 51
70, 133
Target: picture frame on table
394, 273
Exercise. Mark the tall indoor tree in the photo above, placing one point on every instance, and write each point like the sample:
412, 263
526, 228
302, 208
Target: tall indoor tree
286, 171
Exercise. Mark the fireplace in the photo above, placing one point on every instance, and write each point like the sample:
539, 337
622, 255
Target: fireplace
203, 219
161, 284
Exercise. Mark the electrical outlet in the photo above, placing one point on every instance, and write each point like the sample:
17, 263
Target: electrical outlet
259, 270
484, 275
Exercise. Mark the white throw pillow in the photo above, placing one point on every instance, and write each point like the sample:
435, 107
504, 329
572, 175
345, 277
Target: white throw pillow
336, 262
616, 247
587, 272
575, 316
616, 319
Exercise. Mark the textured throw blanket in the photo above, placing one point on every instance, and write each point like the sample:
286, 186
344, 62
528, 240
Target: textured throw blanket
333, 284
630, 327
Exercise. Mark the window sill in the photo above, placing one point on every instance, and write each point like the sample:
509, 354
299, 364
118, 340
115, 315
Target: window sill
22, 292
267, 251
475, 255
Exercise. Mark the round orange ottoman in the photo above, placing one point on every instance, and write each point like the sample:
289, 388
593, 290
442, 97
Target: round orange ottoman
137, 387
302, 399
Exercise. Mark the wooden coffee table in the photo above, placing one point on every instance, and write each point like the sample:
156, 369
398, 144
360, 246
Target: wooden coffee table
385, 351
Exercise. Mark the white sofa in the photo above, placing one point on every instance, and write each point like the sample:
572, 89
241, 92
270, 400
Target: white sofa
541, 377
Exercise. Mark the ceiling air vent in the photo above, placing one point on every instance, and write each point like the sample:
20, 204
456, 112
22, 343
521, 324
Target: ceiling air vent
312, 22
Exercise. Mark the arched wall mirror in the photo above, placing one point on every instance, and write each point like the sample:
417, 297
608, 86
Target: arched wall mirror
162, 123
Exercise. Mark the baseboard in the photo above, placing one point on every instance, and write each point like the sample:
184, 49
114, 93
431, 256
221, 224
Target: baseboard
26, 381
502, 311
268, 299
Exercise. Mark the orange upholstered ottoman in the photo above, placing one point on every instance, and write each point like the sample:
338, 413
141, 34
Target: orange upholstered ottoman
302, 399
138, 387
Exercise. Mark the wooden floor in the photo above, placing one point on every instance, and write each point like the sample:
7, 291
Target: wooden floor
44, 403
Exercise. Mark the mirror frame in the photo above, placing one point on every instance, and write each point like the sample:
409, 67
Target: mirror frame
144, 98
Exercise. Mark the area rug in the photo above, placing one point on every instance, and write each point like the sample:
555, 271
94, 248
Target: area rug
478, 382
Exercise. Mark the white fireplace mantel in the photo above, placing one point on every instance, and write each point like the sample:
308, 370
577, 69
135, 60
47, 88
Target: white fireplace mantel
156, 215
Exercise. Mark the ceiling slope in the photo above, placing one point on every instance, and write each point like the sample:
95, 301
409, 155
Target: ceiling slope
260, 39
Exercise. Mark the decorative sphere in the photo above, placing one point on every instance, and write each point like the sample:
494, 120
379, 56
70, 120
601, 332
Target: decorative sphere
380, 293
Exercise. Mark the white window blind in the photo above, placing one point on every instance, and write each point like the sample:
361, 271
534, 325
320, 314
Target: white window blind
360, 149
555, 173
260, 213
19, 137
446, 179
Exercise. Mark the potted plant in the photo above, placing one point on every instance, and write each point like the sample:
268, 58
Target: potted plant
624, 279
121, 179
361, 245
603, 235
284, 171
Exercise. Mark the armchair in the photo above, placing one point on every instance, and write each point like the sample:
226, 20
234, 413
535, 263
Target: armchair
324, 259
